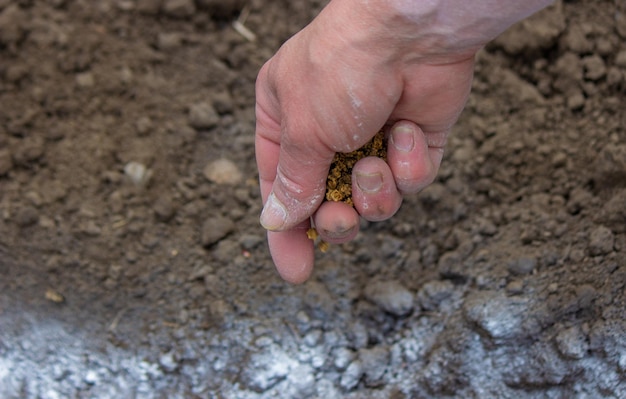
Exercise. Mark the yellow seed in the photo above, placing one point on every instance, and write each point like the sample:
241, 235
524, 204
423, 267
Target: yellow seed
312, 234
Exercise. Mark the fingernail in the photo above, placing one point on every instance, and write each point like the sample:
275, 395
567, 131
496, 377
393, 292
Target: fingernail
274, 214
402, 138
369, 182
339, 233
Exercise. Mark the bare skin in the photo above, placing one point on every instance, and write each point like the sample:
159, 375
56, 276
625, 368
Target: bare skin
330, 88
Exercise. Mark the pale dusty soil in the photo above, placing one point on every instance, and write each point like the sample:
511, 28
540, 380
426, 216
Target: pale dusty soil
505, 279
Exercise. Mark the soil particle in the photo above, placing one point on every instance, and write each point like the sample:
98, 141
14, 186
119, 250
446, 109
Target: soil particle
522, 266
375, 362
203, 116
214, 229
223, 171
601, 241
499, 316
352, 376
26, 216
538, 32
572, 343
179, 8
433, 293
390, 296
594, 67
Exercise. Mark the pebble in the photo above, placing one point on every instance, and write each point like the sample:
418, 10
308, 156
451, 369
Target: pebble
138, 173
216, 228
85, 79
223, 102
168, 362
351, 377
595, 68
169, 40
26, 216
179, 8
312, 338
151, 7
302, 380
375, 362
266, 369
433, 293
164, 209
601, 241
572, 343
343, 357
391, 296
223, 171
203, 116
522, 266
250, 241
499, 316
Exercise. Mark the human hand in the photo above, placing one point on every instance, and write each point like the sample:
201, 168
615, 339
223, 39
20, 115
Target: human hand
354, 70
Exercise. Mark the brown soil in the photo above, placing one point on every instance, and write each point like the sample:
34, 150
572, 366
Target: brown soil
133, 264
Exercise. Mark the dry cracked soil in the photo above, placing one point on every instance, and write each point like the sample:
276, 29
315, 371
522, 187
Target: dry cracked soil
132, 264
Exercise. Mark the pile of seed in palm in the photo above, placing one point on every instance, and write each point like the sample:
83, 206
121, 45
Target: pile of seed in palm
339, 181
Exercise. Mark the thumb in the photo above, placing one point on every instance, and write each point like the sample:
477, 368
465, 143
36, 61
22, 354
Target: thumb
299, 185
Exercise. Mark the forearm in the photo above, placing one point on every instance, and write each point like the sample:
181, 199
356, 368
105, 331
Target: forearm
468, 20
427, 28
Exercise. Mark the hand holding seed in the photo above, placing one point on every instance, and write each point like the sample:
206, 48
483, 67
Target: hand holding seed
356, 68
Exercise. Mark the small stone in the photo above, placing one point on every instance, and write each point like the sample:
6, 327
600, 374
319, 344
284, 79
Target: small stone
216, 228
312, 338
168, 362
572, 343
138, 173
499, 316
266, 369
85, 79
143, 125
620, 59
343, 358
164, 209
601, 241
203, 116
515, 287
223, 102
26, 216
522, 266
375, 362
576, 100
351, 377
302, 379
223, 171
594, 66
433, 293
151, 7
169, 41
391, 296
91, 377
179, 8
250, 241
